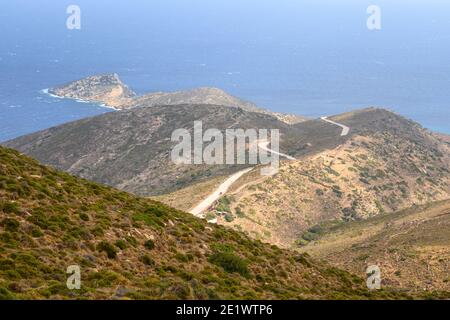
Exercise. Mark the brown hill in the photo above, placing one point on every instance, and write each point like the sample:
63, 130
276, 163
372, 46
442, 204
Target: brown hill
411, 247
387, 163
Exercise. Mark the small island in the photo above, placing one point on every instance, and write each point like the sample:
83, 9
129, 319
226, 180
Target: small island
110, 91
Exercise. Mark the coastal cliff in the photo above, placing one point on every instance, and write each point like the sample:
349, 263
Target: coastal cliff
107, 89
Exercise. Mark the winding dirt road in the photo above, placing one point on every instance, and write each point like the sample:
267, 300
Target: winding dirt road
345, 129
225, 186
264, 145
218, 193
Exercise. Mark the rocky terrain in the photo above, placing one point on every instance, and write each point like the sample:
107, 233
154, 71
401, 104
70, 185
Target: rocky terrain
134, 248
106, 89
110, 90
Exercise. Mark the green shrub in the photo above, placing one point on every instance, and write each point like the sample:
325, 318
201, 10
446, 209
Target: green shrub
309, 236
132, 240
210, 216
121, 244
239, 212
98, 231
9, 207
224, 205
36, 233
11, 225
364, 180
230, 263
221, 247
5, 294
153, 216
149, 244
147, 260
104, 246
184, 257
179, 291
303, 259
229, 217
84, 216
301, 242
103, 279
337, 190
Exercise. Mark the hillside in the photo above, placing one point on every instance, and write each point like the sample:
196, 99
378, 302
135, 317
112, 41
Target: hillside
205, 95
110, 90
412, 247
386, 164
130, 247
130, 149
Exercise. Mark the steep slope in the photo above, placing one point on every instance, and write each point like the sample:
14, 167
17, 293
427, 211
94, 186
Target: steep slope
110, 90
411, 247
131, 149
129, 247
386, 164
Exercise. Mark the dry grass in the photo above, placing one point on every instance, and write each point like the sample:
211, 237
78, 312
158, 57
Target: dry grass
412, 247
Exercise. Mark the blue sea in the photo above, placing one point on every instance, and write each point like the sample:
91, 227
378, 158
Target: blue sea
309, 57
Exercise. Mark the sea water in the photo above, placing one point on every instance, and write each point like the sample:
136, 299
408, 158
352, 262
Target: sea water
314, 58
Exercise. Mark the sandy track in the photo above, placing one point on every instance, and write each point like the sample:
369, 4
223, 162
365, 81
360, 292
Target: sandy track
345, 129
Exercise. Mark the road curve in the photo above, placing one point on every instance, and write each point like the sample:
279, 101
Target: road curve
264, 145
223, 188
345, 129
219, 192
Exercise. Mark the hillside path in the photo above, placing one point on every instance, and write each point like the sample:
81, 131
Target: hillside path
225, 186
219, 192
345, 129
